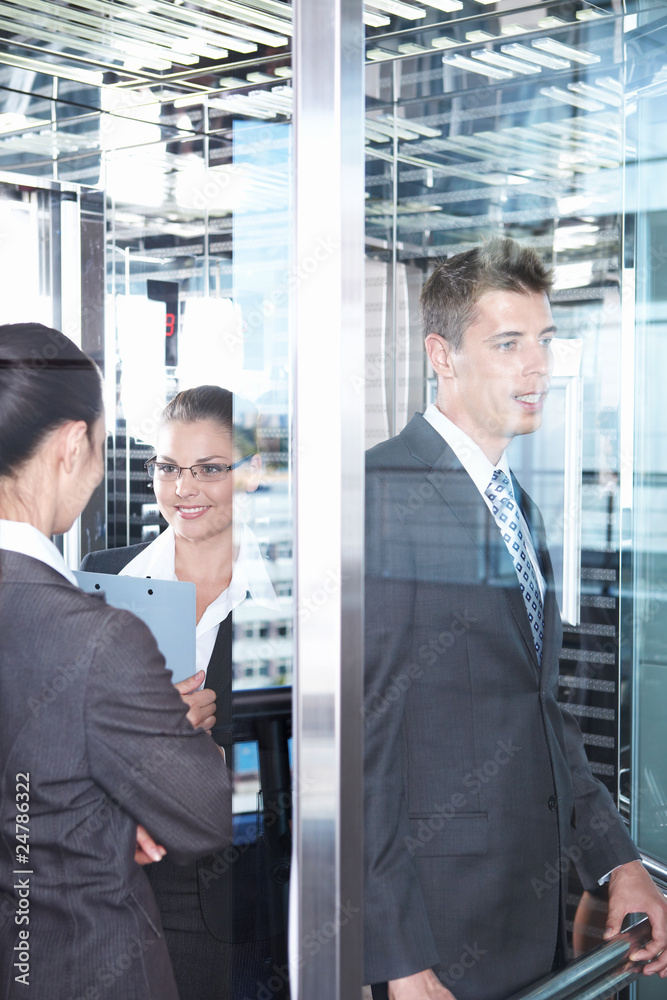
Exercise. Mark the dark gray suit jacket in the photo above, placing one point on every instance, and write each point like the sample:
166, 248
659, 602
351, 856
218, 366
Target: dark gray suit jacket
89, 713
478, 793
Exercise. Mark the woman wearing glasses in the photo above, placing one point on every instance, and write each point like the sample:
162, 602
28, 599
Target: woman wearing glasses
94, 740
205, 463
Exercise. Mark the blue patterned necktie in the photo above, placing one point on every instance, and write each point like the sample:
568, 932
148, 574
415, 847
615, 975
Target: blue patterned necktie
505, 511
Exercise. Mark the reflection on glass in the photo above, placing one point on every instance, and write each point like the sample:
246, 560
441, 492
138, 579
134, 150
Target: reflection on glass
647, 609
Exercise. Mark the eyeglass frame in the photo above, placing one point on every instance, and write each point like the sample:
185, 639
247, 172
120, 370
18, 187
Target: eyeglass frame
191, 468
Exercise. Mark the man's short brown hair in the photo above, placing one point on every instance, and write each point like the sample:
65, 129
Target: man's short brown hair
451, 293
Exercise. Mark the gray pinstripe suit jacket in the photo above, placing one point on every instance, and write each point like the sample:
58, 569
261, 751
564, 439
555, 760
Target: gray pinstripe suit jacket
88, 711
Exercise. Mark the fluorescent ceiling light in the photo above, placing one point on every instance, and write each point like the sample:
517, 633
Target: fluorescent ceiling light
53, 69
610, 83
513, 29
412, 49
442, 42
188, 102
475, 66
284, 72
588, 14
576, 275
243, 13
565, 97
446, 5
376, 20
479, 36
231, 82
597, 93
393, 126
12, 121
257, 77
380, 54
414, 126
555, 48
551, 22
514, 65
398, 8
530, 55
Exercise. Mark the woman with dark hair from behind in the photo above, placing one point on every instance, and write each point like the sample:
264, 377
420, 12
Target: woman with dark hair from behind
215, 919
96, 752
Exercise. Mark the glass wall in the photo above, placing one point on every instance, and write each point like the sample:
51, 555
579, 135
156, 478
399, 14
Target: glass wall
543, 123
147, 207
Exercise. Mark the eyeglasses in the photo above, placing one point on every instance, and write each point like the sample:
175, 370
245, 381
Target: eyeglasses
208, 472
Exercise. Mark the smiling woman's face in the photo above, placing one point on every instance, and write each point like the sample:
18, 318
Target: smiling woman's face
196, 510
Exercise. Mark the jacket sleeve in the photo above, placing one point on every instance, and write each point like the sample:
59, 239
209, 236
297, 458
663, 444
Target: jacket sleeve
397, 935
601, 835
138, 737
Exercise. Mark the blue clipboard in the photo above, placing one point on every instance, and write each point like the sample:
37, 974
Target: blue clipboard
168, 607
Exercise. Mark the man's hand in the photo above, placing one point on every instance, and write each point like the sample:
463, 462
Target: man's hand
632, 890
201, 704
147, 850
422, 986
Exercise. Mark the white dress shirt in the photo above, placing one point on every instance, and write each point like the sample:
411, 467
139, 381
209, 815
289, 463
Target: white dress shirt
19, 536
481, 470
249, 577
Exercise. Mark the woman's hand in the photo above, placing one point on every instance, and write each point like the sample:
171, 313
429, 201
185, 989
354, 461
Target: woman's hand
147, 850
201, 704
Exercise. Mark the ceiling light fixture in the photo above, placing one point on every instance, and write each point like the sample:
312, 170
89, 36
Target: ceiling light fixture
565, 97
530, 55
398, 8
53, 69
475, 66
597, 93
375, 20
555, 48
513, 29
514, 65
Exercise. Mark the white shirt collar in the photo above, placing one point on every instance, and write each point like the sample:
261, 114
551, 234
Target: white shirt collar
249, 576
469, 454
19, 536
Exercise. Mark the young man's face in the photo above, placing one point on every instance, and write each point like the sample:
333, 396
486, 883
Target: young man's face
495, 385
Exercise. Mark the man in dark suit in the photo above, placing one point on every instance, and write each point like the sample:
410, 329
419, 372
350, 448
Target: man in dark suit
478, 793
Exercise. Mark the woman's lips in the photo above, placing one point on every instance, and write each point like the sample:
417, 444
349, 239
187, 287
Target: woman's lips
190, 513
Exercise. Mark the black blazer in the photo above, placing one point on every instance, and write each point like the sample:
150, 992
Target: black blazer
92, 725
478, 793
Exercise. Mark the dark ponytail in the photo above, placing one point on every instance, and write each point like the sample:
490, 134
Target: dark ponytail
45, 381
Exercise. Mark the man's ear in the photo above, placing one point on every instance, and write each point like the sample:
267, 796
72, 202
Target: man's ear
440, 354
254, 473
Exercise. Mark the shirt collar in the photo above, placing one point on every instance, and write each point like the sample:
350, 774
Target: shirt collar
19, 536
468, 452
249, 576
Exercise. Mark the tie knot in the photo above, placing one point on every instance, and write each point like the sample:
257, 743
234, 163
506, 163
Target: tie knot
499, 488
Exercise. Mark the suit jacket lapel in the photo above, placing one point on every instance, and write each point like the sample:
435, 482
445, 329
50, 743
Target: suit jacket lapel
459, 492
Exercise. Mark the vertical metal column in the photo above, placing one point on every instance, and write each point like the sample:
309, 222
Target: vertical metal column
329, 419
